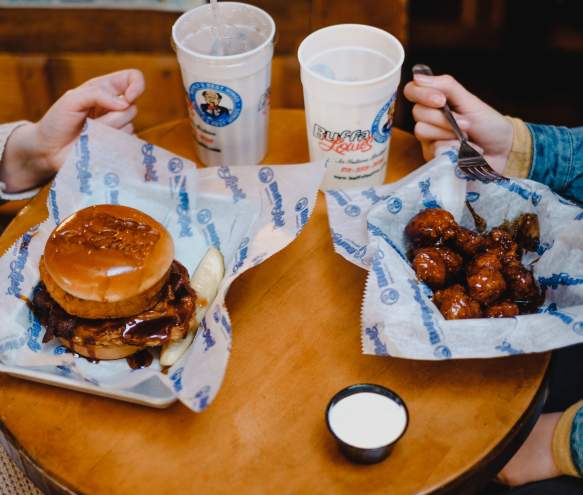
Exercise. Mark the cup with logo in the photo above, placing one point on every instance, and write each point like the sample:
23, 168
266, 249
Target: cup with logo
350, 74
224, 50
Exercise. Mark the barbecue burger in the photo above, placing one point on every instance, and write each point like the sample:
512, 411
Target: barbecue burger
110, 286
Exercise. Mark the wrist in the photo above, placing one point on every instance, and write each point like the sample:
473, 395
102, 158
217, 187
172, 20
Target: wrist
23, 161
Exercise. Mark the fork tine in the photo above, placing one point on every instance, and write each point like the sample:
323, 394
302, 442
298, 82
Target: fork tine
488, 173
473, 172
493, 174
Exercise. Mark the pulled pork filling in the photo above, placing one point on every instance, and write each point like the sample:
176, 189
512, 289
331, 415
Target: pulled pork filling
168, 320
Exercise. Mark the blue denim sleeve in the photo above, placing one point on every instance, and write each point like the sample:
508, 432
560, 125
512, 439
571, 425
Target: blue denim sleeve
577, 440
557, 159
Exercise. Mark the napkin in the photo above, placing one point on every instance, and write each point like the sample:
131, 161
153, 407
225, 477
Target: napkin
398, 316
248, 213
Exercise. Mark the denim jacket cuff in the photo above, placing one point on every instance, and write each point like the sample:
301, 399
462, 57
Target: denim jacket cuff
567, 449
520, 157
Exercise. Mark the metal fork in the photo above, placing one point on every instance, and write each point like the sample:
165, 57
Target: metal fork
470, 162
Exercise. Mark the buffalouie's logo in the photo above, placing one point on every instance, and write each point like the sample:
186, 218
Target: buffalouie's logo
215, 104
232, 183
267, 177
242, 254
111, 181
83, 164
178, 190
21, 251
204, 217
342, 142
149, 161
302, 213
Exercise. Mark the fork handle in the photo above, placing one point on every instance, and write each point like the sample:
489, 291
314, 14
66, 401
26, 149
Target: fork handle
426, 70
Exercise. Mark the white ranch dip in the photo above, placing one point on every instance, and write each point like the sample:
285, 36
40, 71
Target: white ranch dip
367, 420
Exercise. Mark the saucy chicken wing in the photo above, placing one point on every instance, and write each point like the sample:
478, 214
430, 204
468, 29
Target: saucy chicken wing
455, 304
486, 285
431, 227
502, 309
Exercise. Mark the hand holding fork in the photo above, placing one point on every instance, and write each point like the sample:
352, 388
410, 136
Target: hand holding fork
486, 127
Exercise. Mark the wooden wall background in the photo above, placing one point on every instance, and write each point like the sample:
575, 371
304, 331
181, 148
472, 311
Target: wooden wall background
45, 52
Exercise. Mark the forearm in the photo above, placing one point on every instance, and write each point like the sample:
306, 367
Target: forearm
568, 441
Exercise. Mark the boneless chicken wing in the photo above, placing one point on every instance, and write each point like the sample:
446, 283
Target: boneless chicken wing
430, 267
468, 242
436, 266
502, 309
431, 227
485, 260
486, 285
455, 304
521, 284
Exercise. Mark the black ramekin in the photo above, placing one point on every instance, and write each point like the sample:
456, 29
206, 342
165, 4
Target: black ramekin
358, 454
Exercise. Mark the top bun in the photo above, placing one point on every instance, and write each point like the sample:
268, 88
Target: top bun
108, 253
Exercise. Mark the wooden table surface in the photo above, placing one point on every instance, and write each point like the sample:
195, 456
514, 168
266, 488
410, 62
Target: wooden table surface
296, 342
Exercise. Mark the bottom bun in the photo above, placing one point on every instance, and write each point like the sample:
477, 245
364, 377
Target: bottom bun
101, 352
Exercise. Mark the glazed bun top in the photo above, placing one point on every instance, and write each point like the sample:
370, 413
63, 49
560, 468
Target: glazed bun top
108, 253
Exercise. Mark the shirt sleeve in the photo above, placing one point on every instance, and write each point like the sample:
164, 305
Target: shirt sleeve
568, 441
5, 131
557, 159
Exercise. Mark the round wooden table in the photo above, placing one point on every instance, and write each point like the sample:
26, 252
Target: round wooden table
265, 432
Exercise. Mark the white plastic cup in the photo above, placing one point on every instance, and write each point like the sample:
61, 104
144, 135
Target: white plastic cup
228, 95
350, 74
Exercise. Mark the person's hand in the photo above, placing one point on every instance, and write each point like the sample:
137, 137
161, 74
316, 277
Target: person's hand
534, 459
35, 152
488, 130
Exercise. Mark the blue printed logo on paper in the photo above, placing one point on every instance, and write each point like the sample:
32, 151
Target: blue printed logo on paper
33, 331
215, 104
232, 183
20, 253
383, 122
53, 204
302, 213
176, 379
149, 161
301, 204
265, 175
175, 165
202, 397
355, 250
389, 296
352, 210
506, 347
472, 197
442, 352
111, 181
380, 348
241, 255
204, 216
578, 328
83, 165
394, 205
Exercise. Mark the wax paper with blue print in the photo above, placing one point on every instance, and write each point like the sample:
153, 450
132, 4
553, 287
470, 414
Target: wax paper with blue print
398, 315
248, 213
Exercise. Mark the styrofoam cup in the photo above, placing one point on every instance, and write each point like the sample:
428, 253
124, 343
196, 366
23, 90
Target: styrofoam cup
228, 95
350, 74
